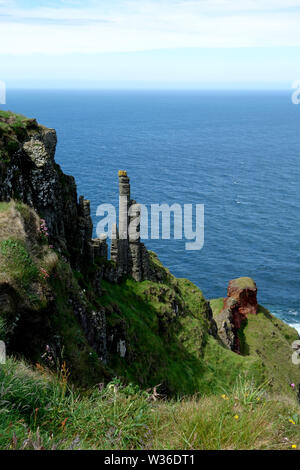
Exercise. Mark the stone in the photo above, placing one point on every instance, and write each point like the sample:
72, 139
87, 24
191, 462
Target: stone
32, 176
244, 291
127, 251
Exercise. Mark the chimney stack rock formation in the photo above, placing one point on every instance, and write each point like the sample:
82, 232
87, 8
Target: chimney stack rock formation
127, 251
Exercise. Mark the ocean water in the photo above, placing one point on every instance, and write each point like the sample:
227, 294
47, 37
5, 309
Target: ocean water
238, 153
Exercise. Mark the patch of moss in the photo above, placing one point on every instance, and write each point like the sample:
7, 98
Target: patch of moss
217, 305
243, 283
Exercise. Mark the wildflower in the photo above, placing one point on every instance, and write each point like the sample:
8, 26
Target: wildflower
44, 229
63, 424
292, 385
224, 397
236, 417
294, 446
44, 273
258, 399
292, 421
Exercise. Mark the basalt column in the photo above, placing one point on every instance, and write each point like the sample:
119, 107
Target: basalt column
114, 249
135, 248
127, 251
124, 202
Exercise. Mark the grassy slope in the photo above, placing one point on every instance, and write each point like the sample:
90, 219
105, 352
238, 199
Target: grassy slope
165, 325
269, 339
40, 411
163, 348
44, 302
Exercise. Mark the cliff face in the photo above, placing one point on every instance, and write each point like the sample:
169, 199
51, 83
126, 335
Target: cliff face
61, 299
73, 286
28, 172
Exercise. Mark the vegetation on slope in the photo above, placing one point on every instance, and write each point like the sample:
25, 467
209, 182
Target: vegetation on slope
39, 410
14, 128
35, 287
267, 339
216, 398
167, 328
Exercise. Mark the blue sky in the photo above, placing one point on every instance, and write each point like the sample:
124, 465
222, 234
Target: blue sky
150, 43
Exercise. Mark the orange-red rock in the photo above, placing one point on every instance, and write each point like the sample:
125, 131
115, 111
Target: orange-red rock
244, 291
241, 301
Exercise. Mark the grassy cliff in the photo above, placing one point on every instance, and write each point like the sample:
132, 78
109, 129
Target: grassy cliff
157, 333
39, 410
95, 362
268, 340
217, 399
14, 128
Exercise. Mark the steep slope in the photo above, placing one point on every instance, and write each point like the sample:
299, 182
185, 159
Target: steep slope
62, 300
36, 288
148, 333
269, 340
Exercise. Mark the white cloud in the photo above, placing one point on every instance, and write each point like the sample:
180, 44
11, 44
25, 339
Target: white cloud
145, 25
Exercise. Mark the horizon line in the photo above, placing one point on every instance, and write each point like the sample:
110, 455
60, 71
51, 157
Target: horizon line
99, 88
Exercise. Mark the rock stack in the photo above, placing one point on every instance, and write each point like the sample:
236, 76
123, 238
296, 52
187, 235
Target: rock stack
241, 301
127, 251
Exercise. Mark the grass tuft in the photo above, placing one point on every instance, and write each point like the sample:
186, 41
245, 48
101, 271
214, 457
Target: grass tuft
39, 410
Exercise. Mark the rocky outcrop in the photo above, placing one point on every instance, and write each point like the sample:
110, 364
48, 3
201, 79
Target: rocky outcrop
28, 172
241, 301
93, 323
30, 175
127, 251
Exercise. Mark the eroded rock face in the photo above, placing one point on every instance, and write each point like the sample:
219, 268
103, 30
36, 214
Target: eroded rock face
29, 173
244, 291
241, 301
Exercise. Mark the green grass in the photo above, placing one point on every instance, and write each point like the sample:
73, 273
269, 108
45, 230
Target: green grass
4, 206
270, 339
115, 417
156, 350
86, 369
217, 305
164, 348
243, 283
17, 264
267, 341
39, 410
14, 128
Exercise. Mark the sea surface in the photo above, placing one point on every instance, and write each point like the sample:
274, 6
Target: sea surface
238, 153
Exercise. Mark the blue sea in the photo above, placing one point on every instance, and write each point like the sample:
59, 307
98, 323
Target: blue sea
238, 153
